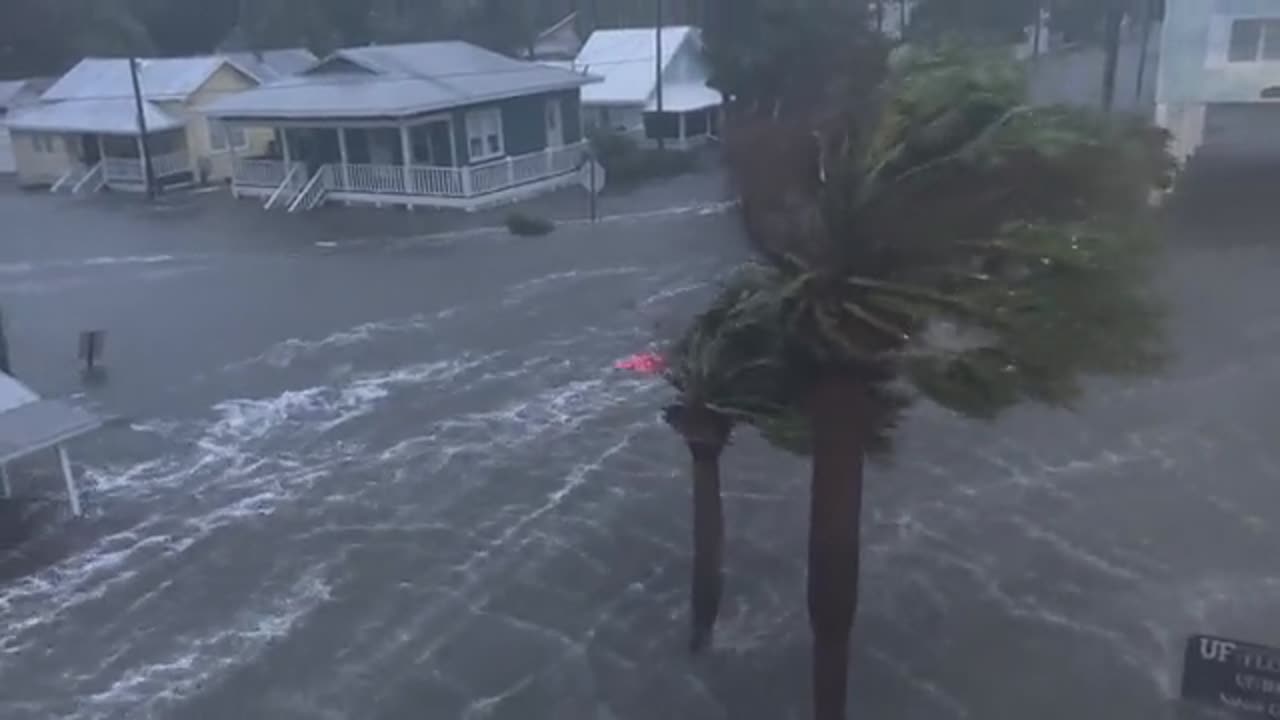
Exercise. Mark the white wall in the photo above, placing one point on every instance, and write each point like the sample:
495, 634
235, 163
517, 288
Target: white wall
1194, 66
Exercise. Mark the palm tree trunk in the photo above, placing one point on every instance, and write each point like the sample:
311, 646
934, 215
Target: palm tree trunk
706, 433
708, 544
838, 417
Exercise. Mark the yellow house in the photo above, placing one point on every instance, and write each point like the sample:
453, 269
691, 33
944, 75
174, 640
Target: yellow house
84, 133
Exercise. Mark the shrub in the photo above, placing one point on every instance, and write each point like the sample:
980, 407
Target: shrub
627, 162
528, 225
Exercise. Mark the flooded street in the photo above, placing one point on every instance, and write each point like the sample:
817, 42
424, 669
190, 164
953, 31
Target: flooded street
384, 476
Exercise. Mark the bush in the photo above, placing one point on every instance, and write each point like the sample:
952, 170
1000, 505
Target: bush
626, 162
528, 225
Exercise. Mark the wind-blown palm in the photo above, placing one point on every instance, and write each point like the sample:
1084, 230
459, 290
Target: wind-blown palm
942, 235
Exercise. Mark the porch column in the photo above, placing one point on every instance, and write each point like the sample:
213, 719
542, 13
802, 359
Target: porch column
6, 491
102, 152
406, 154
235, 163
683, 140
284, 148
342, 156
70, 479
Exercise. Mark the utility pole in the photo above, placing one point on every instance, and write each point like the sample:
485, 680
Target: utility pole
5, 366
1036, 36
1114, 19
1148, 18
659, 121
144, 149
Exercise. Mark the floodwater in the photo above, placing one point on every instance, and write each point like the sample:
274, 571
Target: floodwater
397, 478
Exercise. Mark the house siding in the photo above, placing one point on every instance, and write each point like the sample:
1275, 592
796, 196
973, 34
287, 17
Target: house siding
205, 161
36, 168
524, 122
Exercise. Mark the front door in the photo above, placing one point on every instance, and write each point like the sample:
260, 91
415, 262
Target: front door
555, 124
89, 150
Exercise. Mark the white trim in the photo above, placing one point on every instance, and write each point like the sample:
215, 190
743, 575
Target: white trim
215, 125
479, 128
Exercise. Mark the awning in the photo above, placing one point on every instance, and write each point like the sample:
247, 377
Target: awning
108, 116
685, 98
40, 425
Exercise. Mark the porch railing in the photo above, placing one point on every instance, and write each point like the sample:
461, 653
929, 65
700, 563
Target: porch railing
288, 189
130, 170
418, 180
259, 172
92, 180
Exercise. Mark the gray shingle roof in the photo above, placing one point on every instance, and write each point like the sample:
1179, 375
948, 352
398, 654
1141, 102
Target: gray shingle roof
395, 81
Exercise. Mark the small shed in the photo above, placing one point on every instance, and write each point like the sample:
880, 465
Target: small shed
30, 424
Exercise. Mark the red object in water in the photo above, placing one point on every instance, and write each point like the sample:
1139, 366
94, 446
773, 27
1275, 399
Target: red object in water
647, 363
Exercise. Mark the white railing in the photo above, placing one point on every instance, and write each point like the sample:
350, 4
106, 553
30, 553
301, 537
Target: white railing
251, 172
92, 180
127, 170
314, 192
172, 163
373, 179
430, 180
289, 187
520, 169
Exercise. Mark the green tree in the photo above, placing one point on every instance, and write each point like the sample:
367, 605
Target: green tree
939, 235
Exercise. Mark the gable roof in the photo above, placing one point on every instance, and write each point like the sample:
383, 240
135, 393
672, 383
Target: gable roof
268, 65
14, 93
626, 60
159, 78
395, 81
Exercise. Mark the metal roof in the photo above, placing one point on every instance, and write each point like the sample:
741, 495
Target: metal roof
626, 60
686, 97
29, 424
396, 80
113, 116
159, 78
268, 65
9, 90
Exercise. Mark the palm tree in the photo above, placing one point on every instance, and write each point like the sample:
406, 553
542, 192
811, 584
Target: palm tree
941, 235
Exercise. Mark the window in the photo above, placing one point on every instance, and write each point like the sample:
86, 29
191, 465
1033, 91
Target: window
1254, 39
484, 134
222, 136
42, 143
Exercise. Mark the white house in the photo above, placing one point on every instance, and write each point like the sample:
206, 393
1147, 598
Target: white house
627, 99
443, 124
14, 94
1218, 89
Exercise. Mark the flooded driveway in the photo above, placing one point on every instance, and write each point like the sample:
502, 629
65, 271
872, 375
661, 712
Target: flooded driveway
382, 477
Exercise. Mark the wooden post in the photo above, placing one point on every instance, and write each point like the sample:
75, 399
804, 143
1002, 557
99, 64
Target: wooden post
342, 154
70, 479
284, 148
5, 487
235, 162
406, 155
511, 171
684, 141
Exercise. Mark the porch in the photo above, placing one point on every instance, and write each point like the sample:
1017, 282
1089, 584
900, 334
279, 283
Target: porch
414, 165
116, 162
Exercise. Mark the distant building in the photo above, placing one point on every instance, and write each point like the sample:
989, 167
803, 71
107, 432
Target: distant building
627, 99
14, 94
83, 133
1218, 90
443, 124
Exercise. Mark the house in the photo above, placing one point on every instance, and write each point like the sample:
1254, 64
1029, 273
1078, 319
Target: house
441, 124
14, 94
627, 100
83, 134
558, 45
1218, 89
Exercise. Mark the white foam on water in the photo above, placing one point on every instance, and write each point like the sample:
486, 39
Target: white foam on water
524, 291
282, 354
196, 661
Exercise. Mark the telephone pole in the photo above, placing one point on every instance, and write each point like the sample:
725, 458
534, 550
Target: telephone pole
144, 150
660, 120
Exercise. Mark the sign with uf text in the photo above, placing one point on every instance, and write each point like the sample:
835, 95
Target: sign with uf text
1232, 675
